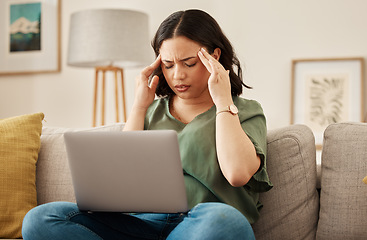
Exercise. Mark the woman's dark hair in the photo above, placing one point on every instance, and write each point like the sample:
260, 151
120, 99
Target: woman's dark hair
200, 27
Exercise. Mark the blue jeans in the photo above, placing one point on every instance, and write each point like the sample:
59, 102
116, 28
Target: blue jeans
63, 220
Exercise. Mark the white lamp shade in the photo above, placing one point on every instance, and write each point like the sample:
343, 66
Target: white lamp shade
101, 37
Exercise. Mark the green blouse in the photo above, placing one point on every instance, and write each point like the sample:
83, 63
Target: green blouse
203, 177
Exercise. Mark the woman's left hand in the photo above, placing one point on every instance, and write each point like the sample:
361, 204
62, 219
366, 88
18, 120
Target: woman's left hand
236, 153
218, 83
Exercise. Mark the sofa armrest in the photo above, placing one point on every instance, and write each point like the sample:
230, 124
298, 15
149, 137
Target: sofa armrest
291, 208
343, 199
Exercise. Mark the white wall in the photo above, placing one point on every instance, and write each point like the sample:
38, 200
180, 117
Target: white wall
266, 34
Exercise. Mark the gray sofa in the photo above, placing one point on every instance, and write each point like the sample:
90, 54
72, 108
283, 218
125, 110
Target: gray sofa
294, 208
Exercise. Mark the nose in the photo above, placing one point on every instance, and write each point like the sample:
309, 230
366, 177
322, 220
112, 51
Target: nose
179, 73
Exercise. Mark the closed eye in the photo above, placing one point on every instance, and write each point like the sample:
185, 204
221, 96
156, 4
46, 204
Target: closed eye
168, 67
190, 65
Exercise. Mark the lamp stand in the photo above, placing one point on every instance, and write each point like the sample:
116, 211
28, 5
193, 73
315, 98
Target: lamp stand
116, 71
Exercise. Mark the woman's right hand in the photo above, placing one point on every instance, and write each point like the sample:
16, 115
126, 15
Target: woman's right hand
145, 92
144, 96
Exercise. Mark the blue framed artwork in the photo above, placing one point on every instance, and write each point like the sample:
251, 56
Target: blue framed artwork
30, 42
25, 27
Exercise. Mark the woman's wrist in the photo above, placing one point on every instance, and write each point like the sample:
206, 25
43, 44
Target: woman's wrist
139, 108
224, 103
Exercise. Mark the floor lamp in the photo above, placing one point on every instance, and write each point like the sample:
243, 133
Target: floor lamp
108, 40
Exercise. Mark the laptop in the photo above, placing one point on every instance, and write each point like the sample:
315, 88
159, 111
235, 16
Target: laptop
131, 172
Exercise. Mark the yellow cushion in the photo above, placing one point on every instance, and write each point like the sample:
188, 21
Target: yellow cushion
19, 146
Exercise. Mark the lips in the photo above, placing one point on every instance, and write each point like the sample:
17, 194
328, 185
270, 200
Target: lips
182, 87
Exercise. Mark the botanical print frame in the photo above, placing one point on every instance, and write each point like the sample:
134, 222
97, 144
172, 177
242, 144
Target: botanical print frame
30, 36
326, 91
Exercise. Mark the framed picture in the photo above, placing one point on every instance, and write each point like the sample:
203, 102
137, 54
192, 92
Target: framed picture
326, 91
30, 36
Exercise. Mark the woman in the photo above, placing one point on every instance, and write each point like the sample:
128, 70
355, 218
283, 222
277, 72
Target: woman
222, 141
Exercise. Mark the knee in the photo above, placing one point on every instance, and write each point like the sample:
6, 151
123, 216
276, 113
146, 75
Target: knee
47, 212
225, 218
219, 211
38, 219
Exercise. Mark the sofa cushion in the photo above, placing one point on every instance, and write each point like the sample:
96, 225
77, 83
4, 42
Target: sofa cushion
53, 175
291, 208
19, 146
343, 199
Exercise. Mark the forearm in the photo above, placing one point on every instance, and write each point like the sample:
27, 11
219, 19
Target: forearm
236, 153
136, 120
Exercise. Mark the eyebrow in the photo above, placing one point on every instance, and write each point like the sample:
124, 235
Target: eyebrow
181, 60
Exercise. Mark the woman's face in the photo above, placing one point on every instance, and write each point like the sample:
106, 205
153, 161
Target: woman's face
184, 72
